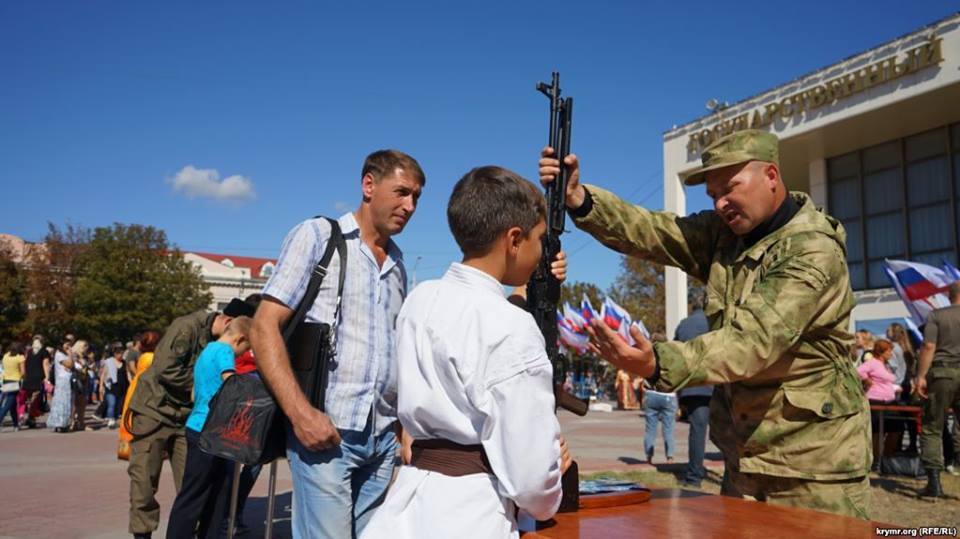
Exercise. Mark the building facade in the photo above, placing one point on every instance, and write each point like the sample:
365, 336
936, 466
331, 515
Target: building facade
874, 139
231, 276
227, 276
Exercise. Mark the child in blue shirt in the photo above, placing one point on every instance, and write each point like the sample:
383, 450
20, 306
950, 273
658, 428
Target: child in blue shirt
204, 475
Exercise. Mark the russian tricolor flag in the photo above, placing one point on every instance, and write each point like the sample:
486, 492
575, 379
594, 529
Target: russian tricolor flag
577, 322
614, 315
920, 286
586, 310
951, 270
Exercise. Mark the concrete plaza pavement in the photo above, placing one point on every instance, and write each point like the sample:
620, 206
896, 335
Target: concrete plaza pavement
72, 485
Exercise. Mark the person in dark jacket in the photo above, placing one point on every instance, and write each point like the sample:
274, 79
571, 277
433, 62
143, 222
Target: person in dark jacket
696, 400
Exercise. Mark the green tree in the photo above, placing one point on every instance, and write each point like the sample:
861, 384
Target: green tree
51, 275
130, 280
13, 297
573, 293
639, 289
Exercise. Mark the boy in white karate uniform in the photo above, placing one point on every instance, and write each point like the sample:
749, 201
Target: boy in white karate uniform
475, 388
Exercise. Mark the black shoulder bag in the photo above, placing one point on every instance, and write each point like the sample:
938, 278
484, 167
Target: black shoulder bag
310, 345
245, 423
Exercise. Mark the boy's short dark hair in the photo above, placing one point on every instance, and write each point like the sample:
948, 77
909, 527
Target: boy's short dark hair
488, 201
240, 325
383, 163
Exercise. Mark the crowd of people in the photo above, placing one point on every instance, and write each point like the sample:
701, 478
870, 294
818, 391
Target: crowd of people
62, 381
453, 378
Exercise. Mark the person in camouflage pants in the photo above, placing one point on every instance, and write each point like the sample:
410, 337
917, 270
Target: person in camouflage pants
938, 384
789, 412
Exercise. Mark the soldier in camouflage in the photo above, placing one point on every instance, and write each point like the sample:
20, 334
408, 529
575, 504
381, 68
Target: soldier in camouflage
161, 403
789, 414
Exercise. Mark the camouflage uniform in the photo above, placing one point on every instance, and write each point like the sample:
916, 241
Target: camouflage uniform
789, 414
160, 406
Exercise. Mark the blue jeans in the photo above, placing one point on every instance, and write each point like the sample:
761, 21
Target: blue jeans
111, 401
663, 409
9, 405
336, 491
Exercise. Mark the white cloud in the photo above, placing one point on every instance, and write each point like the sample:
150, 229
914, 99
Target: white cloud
342, 207
206, 183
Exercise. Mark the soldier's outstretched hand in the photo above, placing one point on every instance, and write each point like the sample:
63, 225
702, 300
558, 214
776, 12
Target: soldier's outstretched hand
550, 167
608, 344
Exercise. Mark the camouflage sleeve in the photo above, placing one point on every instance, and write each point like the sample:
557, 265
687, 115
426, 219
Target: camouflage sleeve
765, 323
666, 238
172, 362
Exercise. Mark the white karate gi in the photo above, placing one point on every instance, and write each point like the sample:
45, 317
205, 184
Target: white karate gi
472, 370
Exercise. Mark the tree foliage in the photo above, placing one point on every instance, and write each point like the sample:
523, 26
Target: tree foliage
130, 280
13, 297
573, 293
639, 288
51, 275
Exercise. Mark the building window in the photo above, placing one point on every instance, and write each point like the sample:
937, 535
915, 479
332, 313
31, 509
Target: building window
266, 270
227, 262
897, 200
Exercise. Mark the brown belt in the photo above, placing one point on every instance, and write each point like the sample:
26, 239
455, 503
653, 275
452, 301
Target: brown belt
449, 458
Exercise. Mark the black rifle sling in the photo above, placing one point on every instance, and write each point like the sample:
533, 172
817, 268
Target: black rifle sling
336, 242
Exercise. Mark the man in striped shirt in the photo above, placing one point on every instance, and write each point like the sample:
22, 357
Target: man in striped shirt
342, 460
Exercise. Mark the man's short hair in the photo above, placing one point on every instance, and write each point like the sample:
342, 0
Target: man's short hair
383, 163
954, 291
487, 202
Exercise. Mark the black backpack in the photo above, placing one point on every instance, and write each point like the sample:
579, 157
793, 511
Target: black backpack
245, 424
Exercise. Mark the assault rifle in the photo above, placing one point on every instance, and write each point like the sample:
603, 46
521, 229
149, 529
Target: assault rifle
543, 290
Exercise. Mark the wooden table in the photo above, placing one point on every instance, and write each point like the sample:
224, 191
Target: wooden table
685, 513
899, 410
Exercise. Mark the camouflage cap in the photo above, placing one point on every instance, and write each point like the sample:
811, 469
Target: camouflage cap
735, 148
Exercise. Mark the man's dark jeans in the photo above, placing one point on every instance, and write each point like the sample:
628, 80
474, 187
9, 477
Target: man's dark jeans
698, 410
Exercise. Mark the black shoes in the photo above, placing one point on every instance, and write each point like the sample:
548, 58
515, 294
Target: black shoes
933, 488
141, 536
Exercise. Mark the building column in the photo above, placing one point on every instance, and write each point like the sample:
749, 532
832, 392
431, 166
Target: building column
675, 281
817, 175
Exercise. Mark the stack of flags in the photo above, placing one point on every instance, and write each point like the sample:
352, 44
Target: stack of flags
572, 323
921, 287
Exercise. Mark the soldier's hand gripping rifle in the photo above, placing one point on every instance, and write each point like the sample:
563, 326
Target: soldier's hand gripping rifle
543, 291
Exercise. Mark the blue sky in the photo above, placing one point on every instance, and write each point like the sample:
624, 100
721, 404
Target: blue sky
103, 104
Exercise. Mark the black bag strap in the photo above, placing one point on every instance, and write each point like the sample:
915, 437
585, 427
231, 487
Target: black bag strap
336, 242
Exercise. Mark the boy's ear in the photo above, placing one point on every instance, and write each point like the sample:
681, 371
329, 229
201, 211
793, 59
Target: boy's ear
515, 236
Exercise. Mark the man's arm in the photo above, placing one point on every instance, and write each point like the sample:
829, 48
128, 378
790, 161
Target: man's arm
766, 324
311, 426
665, 238
171, 362
926, 359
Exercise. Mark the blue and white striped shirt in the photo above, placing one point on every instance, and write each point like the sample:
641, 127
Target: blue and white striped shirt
363, 376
